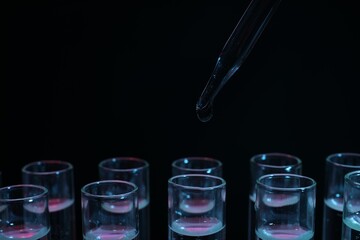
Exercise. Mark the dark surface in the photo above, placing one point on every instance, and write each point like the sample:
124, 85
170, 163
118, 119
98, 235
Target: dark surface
90, 80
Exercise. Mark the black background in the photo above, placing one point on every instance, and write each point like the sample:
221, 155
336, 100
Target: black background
89, 80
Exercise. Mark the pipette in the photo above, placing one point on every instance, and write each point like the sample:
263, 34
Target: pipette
235, 51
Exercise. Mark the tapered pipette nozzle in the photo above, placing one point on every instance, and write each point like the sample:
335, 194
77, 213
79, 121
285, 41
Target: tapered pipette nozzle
204, 112
204, 106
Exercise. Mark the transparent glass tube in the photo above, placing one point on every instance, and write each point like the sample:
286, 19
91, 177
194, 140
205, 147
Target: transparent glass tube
285, 206
351, 210
268, 163
24, 212
58, 177
196, 204
135, 170
109, 210
337, 166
